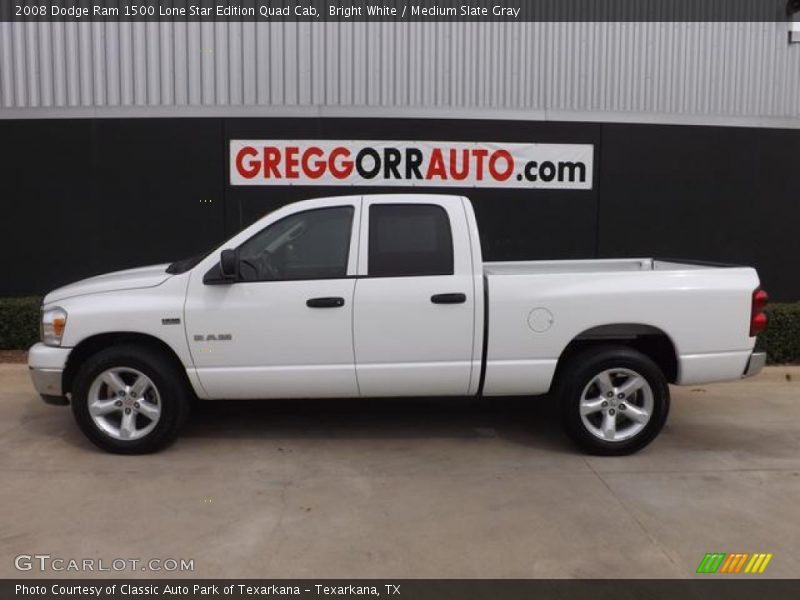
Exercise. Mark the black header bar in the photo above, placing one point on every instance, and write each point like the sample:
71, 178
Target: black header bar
394, 10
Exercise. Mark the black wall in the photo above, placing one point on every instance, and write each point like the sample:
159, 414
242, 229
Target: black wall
81, 197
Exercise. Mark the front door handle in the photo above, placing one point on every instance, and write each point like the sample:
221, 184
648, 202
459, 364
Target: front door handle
326, 302
449, 298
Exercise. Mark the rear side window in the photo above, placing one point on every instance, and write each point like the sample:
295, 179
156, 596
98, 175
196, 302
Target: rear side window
408, 240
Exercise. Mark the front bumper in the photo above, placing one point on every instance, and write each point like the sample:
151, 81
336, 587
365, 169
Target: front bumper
46, 367
755, 364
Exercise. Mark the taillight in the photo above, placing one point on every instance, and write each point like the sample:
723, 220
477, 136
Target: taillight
758, 318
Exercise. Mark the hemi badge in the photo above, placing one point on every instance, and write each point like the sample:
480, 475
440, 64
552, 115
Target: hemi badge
170, 321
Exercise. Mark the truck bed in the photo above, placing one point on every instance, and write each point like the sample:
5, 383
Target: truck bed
536, 308
614, 265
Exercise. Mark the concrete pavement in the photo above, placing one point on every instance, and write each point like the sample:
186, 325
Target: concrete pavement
388, 488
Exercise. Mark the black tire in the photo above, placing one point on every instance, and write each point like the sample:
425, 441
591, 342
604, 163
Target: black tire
172, 388
581, 371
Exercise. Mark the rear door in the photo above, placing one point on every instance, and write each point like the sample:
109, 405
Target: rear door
414, 307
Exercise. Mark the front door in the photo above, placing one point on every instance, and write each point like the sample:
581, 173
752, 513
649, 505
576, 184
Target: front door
284, 328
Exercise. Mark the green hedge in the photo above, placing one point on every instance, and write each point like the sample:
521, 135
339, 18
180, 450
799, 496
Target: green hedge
19, 323
781, 340
19, 328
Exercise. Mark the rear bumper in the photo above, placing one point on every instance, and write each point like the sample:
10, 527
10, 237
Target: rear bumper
46, 367
755, 364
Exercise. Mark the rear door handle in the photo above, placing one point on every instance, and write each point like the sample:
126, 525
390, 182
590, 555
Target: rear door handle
449, 298
326, 302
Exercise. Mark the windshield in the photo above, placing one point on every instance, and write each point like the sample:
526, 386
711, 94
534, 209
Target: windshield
186, 264
181, 266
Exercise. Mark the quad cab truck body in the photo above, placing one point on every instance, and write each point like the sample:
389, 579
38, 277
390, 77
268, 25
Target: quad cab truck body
388, 296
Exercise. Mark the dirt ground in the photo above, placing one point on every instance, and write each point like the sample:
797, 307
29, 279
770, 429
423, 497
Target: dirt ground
425, 488
13, 357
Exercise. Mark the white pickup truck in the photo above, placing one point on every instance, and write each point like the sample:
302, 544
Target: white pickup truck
388, 296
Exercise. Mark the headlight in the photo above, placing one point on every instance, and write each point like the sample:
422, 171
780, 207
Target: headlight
54, 321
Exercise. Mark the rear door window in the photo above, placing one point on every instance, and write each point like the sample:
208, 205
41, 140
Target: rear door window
408, 240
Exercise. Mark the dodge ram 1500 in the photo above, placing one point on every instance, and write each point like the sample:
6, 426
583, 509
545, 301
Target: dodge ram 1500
388, 296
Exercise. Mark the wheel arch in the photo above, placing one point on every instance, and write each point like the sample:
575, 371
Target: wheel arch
99, 342
651, 341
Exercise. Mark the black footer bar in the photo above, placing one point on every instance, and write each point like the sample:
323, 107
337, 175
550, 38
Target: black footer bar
406, 589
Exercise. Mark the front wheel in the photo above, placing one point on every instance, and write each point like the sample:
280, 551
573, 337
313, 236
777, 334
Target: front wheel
614, 400
130, 400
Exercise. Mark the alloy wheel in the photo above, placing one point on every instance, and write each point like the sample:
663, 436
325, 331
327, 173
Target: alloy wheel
124, 403
616, 405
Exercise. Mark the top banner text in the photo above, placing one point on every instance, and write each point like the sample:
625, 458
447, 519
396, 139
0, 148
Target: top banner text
393, 10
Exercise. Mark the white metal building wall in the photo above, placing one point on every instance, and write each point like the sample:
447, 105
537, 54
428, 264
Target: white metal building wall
735, 73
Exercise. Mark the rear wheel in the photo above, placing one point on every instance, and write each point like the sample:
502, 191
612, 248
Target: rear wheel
614, 400
130, 399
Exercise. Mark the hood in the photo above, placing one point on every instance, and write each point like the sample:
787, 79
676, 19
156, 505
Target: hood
142, 277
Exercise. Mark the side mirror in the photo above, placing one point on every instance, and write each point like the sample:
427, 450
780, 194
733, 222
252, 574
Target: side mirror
229, 264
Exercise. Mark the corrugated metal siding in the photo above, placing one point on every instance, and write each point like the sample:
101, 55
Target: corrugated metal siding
703, 69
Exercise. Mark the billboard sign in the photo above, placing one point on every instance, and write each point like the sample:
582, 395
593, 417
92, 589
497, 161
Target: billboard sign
411, 163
